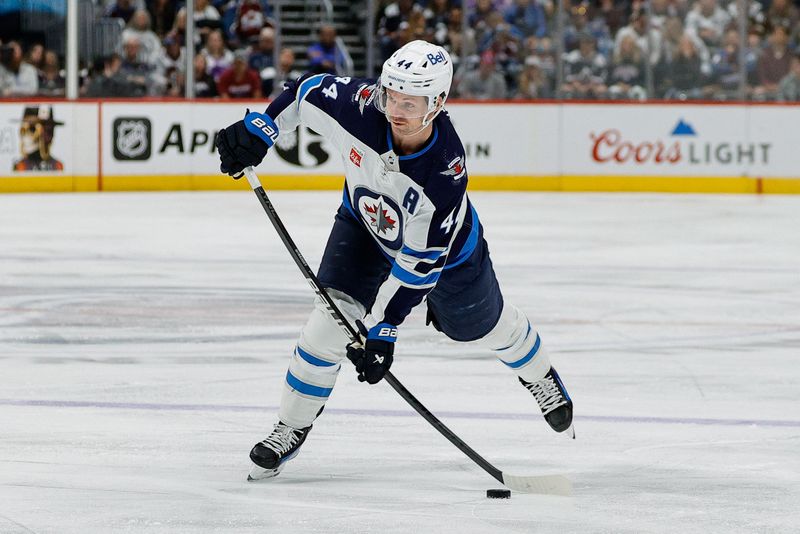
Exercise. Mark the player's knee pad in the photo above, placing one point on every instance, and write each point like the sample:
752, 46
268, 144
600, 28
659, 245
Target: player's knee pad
322, 336
517, 344
315, 362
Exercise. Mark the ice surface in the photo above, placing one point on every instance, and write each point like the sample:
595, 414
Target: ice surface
144, 337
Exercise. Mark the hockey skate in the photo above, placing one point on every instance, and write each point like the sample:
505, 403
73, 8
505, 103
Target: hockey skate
269, 456
554, 401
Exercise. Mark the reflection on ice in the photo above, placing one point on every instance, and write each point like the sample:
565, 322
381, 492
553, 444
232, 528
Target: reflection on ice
143, 338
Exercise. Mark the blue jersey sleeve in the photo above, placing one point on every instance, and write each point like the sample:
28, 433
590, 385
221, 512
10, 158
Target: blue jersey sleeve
320, 101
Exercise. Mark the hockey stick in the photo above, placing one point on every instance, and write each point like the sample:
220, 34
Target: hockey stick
547, 484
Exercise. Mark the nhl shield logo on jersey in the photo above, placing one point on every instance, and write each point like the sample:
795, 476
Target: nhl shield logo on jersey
381, 215
456, 168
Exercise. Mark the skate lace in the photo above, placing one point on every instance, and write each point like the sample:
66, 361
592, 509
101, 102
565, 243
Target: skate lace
282, 438
546, 393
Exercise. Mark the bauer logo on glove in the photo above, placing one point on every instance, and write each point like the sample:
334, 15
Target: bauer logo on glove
265, 130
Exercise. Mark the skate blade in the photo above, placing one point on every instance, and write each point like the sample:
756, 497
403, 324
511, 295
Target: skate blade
259, 473
570, 432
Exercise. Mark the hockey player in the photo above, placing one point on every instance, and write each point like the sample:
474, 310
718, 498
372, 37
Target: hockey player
405, 230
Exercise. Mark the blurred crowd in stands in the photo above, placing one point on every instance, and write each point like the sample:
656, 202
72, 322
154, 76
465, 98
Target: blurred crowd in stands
508, 49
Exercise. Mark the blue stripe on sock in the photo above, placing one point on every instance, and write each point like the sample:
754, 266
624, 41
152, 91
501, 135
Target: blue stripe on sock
528, 357
313, 360
306, 389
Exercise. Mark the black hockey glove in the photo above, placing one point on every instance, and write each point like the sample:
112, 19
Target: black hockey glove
375, 358
245, 143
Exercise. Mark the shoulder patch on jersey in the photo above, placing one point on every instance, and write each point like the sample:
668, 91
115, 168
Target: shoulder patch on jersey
364, 95
456, 168
356, 155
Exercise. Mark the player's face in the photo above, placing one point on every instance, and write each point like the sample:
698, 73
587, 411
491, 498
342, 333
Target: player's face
405, 112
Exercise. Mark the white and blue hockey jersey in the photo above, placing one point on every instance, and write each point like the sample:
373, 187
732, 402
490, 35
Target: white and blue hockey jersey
415, 206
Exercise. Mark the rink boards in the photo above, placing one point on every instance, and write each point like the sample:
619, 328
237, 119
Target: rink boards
168, 145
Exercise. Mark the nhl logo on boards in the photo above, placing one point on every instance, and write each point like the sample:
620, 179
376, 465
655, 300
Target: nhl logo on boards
356, 155
132, 138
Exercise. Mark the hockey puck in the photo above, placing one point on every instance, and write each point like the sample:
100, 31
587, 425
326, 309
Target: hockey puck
498, 494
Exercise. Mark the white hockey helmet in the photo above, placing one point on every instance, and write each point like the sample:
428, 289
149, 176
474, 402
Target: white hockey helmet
419, 68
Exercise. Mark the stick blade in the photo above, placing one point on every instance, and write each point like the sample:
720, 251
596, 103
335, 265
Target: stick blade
545, 484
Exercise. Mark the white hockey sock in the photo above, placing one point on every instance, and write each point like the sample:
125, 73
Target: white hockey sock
518, 345
315, 362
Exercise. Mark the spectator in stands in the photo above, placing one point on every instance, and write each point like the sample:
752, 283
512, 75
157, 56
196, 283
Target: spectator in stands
35, 56
286, 71
585, 71
162, 15
122, 9
614, 13
533, 82
708, 21
249, 20
51, 81
505, 41
324, 55
204, 84
173, 56
206, 19
484, 82
418, 28
132, 70
755, 15
262, 59
239, 81
789, 88
178, 30
581, 21
390, 33
673, 33
649, 40
782, 13
528, 17
726, 70
218, 57
627, 75
437, 18
773, 65
149, 43
479, 17
673, 36
545, 52
17, 78
107, 81
460, 44
660, 11
686, 79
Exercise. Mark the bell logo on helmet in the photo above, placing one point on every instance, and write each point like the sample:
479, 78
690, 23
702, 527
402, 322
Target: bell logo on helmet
436, 58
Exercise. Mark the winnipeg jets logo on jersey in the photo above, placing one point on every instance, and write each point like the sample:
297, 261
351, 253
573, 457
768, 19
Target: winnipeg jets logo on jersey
379, 218
381, 214
456, 168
